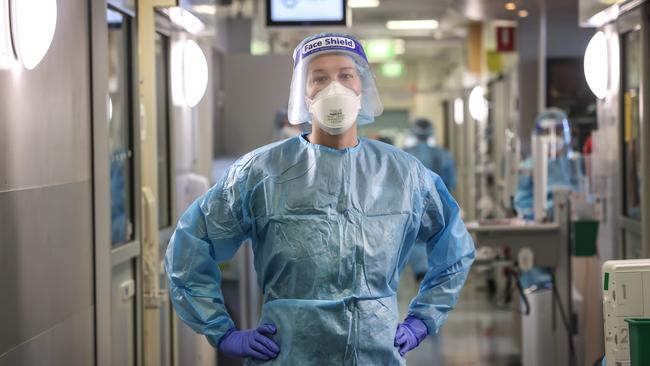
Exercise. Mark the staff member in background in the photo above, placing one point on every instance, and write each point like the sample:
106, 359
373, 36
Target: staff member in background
440, 162
333, 218
564, 165
434, 157
284, 129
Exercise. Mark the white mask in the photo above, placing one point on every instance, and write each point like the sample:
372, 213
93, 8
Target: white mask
335, 108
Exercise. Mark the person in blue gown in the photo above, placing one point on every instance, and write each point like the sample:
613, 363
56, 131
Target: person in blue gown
439, 161
333, 218
435, 157
565, 168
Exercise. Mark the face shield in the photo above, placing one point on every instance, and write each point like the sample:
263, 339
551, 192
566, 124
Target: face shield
324, 44
552, 125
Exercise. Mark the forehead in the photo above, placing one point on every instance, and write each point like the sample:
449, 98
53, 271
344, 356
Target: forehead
330, 62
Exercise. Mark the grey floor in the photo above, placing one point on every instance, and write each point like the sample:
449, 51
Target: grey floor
476, 333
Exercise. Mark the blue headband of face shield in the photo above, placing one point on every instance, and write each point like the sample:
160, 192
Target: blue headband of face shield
329, 43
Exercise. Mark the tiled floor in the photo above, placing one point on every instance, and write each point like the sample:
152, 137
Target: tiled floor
476, 333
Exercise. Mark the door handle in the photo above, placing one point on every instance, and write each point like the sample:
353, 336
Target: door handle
150, 255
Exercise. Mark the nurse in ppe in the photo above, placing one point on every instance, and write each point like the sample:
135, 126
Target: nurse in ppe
564, 165
333, 219
440, 162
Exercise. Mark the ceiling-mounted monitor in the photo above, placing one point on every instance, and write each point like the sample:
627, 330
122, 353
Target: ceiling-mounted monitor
305, 12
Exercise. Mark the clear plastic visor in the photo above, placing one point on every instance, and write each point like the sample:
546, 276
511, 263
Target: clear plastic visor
347, 68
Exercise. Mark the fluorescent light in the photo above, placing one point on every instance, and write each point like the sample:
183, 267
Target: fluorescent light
184, 19
596, 65
33, 23
511, 6
459, 111
363, 3
412, 24
523, 13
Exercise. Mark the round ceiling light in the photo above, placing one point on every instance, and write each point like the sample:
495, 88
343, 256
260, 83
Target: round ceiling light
596, 65
478, 106
33, 23
195, 73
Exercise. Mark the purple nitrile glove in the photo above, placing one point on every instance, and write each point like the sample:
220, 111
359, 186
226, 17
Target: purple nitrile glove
250, 343
410, 334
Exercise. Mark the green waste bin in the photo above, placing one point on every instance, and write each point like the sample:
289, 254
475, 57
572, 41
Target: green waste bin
585, 236
639, 341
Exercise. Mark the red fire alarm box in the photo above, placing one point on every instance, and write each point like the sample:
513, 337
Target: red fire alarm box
505, 39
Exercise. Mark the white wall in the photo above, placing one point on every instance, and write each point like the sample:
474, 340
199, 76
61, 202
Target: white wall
255, 87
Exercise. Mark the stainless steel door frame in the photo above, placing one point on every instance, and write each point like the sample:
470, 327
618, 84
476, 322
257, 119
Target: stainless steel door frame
101, 189
164, 27
636, 19
105, 256
644, 109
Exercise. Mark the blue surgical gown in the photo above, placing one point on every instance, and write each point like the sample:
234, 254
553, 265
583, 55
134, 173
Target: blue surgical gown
438, 160
331, 231
563, 172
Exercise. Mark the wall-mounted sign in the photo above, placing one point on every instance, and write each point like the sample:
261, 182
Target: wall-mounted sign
506, 39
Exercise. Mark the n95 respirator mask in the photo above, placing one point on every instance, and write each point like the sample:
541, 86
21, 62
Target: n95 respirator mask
335, 108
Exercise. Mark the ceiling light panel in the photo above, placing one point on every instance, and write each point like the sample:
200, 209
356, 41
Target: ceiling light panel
428, 24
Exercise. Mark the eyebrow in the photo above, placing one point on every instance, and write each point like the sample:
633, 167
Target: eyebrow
341, 69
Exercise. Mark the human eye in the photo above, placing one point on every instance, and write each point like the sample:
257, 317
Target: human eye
318, 79
347, 76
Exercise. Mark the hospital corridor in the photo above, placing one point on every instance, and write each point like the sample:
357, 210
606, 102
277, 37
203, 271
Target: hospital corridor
325, 182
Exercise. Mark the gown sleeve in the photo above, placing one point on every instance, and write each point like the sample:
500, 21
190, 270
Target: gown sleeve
450, 171
450, 253
208, 233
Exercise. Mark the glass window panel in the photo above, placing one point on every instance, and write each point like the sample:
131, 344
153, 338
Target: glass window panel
631, 124
120, 126
162, 114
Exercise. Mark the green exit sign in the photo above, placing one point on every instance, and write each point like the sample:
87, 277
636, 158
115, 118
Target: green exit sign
392, 69
379, 49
